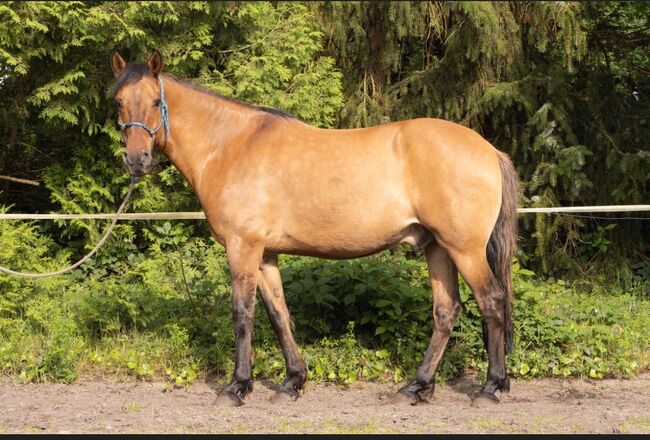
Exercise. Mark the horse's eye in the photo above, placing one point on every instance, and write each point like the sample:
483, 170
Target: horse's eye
156, 103
118, 103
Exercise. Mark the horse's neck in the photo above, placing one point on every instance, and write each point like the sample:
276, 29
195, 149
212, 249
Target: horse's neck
202, 127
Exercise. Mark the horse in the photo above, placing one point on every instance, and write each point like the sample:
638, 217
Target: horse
270, 184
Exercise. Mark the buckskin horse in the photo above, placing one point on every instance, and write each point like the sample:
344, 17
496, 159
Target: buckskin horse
270, 184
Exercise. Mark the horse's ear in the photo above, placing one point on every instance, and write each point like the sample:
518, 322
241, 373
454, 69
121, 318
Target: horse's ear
117, 63
154, 64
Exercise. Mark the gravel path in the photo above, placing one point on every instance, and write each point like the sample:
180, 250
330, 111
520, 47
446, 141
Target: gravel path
546, 406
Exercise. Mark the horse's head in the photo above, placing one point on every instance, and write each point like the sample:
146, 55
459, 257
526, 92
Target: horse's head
139, 96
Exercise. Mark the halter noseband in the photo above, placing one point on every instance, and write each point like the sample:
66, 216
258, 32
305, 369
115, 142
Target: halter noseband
164, 117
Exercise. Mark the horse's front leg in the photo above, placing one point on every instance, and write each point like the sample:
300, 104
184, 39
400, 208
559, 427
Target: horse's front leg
244, 259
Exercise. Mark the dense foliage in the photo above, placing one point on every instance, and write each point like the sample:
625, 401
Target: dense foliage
561, 86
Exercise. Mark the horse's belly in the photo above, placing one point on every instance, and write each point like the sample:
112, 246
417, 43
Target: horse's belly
347, 241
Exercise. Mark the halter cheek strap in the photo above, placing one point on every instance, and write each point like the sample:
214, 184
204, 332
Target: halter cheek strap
164, 117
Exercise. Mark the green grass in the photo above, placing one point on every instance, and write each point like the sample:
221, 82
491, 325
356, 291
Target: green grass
635, 425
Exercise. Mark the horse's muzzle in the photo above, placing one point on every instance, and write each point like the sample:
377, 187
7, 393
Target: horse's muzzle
137, 164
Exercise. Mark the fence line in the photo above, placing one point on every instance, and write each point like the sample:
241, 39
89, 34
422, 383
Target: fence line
126, 216
578, 209
201, 216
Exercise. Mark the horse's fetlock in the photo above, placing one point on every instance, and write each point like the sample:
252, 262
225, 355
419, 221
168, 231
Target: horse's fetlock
241, 386
504, 384
297, 377
421, 379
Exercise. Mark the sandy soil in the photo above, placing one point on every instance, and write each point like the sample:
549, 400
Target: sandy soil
546, 406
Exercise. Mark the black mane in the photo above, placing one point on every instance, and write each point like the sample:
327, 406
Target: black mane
134, 72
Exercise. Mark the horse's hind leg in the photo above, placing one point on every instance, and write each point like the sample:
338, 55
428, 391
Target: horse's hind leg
473, 266
446, 306
270, 284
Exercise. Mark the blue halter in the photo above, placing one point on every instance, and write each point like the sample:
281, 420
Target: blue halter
164, 117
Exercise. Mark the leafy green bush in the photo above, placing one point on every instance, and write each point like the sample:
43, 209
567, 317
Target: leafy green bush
563, 331
340, 359
38, 335
385, 295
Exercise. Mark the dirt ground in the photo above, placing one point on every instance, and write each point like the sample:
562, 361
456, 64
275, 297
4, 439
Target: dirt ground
539, 406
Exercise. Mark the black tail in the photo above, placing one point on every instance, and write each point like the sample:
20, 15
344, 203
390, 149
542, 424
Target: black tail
502, 243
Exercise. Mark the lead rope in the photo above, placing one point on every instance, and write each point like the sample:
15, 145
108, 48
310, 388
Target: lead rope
90, 254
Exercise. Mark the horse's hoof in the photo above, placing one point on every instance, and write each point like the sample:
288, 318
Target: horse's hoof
228, 400
483, 400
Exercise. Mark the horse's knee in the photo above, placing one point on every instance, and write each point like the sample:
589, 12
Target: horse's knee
445, 317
